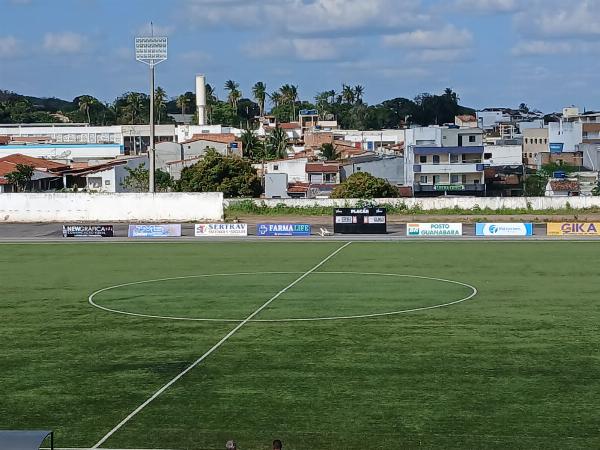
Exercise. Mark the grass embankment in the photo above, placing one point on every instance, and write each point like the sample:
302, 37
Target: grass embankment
250, 208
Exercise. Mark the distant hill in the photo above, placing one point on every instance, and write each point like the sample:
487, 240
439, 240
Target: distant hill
50, 105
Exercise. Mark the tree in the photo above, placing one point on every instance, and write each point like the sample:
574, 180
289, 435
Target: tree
524, 108
277, 144
275, 98
160, 97
329, 152
182, 102
289, 96
358, 93
596, 190
234, 93
259, 91
85, 104
348, 94
137, 179
366, 186
20, 176
233, 176
134, 106
250, 144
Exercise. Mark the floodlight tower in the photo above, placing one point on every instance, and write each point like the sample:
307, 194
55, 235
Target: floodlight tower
151, 51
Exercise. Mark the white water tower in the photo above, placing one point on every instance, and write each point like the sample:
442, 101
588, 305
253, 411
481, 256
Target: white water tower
201, 98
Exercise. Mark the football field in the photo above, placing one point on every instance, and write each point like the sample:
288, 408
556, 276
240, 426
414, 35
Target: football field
362, 345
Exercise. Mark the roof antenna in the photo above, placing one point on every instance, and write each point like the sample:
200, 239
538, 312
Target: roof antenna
152, 29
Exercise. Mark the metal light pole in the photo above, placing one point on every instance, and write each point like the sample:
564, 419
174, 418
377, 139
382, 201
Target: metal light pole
151, 51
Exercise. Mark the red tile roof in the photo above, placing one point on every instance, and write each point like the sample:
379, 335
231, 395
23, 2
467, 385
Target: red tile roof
571, 186
322, 168
290, 126
223, 138
467, 118
4, 140
40, 164
298, 188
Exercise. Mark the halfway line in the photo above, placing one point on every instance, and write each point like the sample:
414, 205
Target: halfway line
215, 347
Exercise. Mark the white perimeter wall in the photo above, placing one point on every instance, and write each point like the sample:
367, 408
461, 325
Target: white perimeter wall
104, 207
427, 204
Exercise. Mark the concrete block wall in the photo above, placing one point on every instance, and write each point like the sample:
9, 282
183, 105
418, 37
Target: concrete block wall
104, 207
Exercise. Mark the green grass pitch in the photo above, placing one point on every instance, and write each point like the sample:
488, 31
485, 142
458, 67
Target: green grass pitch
517, 366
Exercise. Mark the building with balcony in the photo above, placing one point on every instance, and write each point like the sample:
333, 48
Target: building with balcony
444, 160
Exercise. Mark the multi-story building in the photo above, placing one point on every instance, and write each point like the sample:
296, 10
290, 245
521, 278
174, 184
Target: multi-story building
535, 143
442, 160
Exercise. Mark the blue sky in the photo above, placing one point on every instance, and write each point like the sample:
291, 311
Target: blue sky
492, 52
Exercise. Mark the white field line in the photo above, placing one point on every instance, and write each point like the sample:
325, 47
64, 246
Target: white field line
87, 448
474, 292
216, 346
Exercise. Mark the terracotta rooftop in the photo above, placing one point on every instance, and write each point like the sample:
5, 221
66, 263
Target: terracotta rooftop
570, 186
289, 126
40, 164
298, 188
4, 140
467, 118
322, 168
223, 138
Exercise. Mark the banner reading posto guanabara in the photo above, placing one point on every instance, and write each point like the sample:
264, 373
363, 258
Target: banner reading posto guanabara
434, 229
573, 229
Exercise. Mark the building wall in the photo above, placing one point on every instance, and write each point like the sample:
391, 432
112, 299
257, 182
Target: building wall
535, 143
65, 152
75, 207
390, 169
113, 178
591, 156
294, 168
568, 133
74, 134
276, 185
503, 155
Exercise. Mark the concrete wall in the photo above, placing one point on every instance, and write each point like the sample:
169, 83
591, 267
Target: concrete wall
390, 169
65, 152
496, 203
71, 207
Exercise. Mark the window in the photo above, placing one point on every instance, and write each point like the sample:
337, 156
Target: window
436, 159
545, 141
453, 159
476, 181
423, 159
107, 182
423, 179
275, 167
330, 177
358, 169
436, 179
487, 156
453, 179
464, 179
472, 139
536, 141
526, 141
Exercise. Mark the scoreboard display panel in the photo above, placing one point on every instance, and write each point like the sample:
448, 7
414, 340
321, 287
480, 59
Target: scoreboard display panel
360, 220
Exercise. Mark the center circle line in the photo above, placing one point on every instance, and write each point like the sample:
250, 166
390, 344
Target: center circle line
474, 292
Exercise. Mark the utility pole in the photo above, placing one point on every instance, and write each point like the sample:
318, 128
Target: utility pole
151, 51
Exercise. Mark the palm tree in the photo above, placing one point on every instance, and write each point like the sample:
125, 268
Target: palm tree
259, 91
159, 102
250, 144
347, 94
358, 93
276, 98
234, 93
453, 96
182, 102
211, 100
329, 153
86, 103
278, 143
134, 105
289, 94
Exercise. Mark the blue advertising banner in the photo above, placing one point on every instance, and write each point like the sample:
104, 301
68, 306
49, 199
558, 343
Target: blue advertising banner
155, 231
283, 229
504, 229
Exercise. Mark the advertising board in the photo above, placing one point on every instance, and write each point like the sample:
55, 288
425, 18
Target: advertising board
504, 229
155, 231
72, 231
573, 229
434, 229
360, 220
221, 229
283, 229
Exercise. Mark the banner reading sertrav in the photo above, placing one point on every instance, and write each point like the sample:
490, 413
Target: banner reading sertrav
573, 229
434, 229
221, 229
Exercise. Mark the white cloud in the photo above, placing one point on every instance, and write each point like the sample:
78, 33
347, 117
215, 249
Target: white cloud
309, 17
555, 18
303, 49
9, 46
65, 43
439, 55
445, 38
539, 48
489, 6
